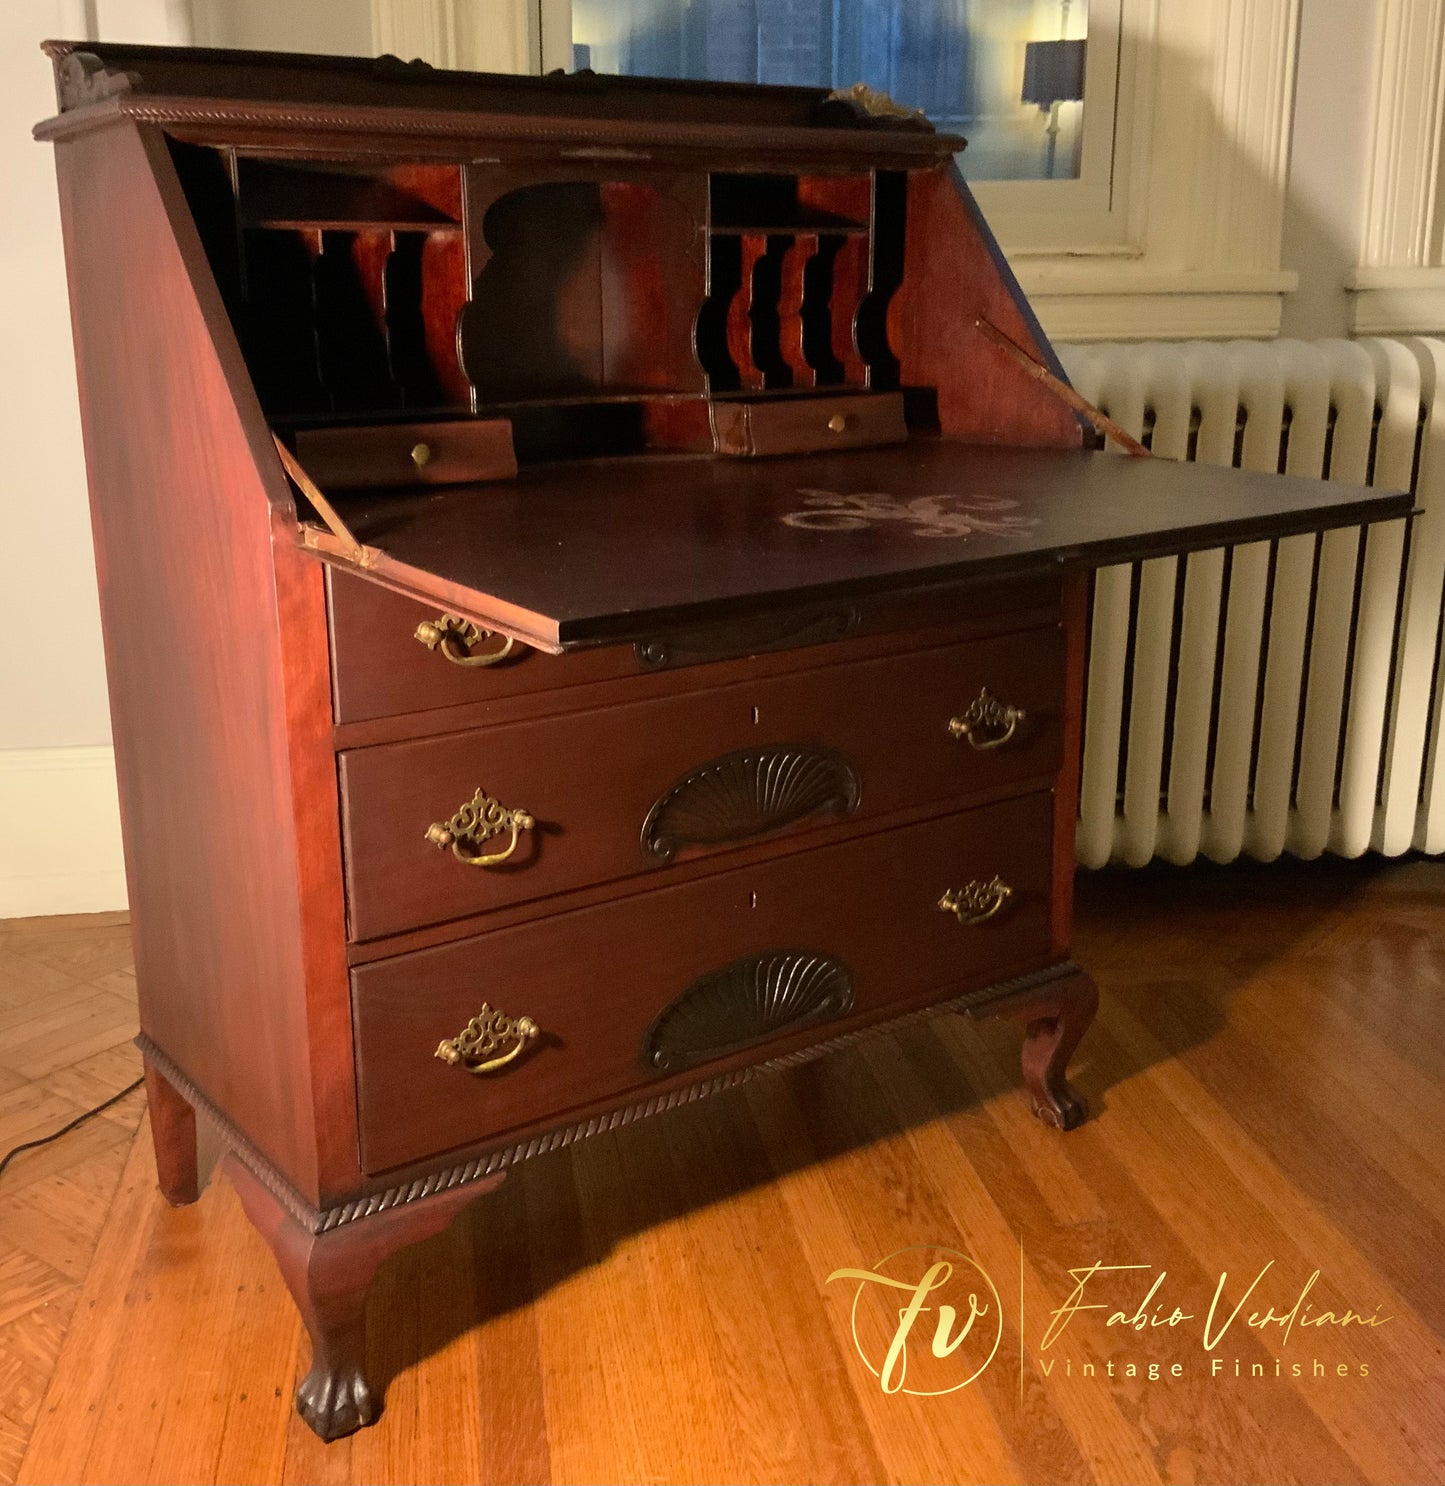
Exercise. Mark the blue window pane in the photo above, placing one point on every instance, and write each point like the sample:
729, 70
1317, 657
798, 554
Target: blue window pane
1008, 74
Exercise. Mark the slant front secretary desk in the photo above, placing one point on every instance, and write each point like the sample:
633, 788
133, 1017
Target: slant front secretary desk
594, 611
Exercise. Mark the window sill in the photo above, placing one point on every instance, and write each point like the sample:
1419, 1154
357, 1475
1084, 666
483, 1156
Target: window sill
1397, 301
1104, 299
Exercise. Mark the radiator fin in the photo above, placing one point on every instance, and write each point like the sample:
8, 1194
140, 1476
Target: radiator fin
1278, 696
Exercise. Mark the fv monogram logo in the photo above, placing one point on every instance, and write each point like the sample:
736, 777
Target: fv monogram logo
926, 1320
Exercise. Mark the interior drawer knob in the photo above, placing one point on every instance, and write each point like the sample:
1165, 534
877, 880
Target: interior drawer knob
480, 820
457, 639
976, 902
421, 455
843, 422
489, 1041
986, 722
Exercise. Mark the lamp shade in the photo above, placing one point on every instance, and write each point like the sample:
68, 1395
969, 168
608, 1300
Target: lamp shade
1053, 72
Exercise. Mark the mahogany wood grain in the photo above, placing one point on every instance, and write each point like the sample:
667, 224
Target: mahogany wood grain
699, 111
753, 247
1055, 1017
848, 197
213, 642
271, 190
652, 265
329, 1276
582, 279
954, 275
798, 425
457, 451
591, 793
1074, 631
444, 289
791, 338
872, 903
173, 1128
849, 288
687, 867
380, 670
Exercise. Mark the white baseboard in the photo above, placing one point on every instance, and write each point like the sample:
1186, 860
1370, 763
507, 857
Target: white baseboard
60, 848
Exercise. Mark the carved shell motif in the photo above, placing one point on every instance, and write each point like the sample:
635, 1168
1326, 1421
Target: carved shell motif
747, 1001
749, 793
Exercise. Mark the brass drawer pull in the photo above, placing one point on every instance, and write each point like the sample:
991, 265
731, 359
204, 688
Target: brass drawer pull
455, 638
478, 1047
478, 821
976, 902
981, 720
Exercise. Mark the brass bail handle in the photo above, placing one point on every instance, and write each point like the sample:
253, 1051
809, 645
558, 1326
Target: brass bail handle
490, 1041
478, 821
457, 639
976, 902
986, 722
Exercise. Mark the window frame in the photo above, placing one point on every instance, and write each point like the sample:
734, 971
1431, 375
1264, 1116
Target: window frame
1187, 241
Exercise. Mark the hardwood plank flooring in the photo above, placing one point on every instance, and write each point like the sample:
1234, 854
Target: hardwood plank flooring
67, 1016
654, 1305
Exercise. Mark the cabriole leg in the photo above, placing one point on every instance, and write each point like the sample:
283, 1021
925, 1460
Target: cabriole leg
1056, 1015
329, 1275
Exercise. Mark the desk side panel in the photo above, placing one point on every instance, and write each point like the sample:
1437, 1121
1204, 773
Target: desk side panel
954, 275
215, 653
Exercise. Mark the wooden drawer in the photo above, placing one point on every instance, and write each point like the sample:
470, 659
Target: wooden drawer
699, 977
800, 425
397, 454
625, 790
381, 670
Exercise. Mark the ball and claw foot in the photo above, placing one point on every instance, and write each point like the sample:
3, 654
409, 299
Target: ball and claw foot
336, 1403
328, 1270
1061, 1110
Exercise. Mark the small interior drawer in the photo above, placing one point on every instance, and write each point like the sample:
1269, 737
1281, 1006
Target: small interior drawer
800, 425
700, 977
457, 452
617, 792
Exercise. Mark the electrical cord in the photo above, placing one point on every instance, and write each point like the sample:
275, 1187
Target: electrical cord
80, 1119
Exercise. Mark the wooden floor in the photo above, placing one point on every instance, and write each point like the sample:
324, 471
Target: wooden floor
654, 1305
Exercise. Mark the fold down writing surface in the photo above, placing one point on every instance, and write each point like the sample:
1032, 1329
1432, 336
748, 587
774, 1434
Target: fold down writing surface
568, 556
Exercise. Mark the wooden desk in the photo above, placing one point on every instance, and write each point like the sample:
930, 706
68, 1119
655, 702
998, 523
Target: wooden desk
663, 663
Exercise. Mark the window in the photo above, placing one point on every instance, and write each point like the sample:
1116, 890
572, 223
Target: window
1163, 213
1008, 73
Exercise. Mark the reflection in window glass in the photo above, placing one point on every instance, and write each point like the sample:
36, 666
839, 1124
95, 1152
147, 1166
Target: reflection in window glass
1009, 74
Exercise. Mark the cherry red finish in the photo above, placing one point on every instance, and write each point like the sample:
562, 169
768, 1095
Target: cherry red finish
173, 1133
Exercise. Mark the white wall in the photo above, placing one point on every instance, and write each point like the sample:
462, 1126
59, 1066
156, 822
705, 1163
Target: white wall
57, 784
1328, 149
340, 26
53, 689
59, 824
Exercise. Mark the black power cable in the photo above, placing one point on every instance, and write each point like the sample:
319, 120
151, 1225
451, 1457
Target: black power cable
80, 1119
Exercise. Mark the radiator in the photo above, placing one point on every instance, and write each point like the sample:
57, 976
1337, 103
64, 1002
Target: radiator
1278, 696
